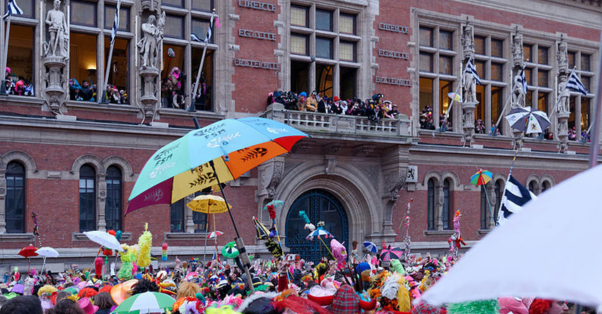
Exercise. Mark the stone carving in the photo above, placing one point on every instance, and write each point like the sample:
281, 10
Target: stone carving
363, 150
151, 41
564, 96
468, 41
151, 5
518, 92
333, 149
270, 174
331, 164
563, 106
469, 86
58, 31
394, 181
562, 56
517, 49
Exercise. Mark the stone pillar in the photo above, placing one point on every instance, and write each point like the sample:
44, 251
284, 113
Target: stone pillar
55, 54
518, 92
2, 199
150, 44
563, 107
469, 99
101, 201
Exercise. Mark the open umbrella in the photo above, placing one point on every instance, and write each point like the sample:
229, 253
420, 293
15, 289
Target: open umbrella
230, 250
370, 246
147, 302
390, 253
104, 239
46, 252
317, 233
558, 230
28, 252
209, 204
222, 151
214, 234
481, 178
523, 119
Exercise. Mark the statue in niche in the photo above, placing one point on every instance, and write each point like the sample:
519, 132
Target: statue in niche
517, 49
564, 99
470, 87
518, 92
59, 32
150, 43
562, 56
468, 41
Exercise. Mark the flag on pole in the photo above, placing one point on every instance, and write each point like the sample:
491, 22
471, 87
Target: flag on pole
115, 22
472, 69
576, 85
194, 37
13, 8
515, 197
522, 79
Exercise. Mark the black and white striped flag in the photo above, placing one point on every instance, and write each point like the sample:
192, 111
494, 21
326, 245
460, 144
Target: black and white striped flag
12, 8
472, 69
194, 37
522, 80
576, 85
115, 22
515, 197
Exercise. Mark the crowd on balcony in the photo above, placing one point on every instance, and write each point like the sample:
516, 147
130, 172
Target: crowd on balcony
17, 85
375, 108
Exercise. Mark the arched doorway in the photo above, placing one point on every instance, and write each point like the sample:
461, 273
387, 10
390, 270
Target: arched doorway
319, 205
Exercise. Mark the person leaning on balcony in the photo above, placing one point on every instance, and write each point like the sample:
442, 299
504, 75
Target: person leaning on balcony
311, 103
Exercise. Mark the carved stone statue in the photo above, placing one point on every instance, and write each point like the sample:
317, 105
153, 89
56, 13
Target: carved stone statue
518, 92
470, 87
150, 43
517, 50
564, 105
562, 56
59, 32
468, 41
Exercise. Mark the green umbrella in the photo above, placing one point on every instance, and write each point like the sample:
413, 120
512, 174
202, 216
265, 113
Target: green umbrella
148, 302
230, 250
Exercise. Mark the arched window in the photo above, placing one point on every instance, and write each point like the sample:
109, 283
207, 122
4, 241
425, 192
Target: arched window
15, 198
447, 211
499, 192
114, 199
177, 216
545, 186
431, 204
532, 186
87, 198
485, 216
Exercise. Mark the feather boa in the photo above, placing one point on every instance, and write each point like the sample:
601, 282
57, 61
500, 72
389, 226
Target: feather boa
145, 243
391, 285
474, 307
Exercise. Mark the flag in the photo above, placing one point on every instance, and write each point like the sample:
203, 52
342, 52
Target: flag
576, 85
470, 68
12, 8
194, 37
208, 36
115, 22
522, 80
515, 197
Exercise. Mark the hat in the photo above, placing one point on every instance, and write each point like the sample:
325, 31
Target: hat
86, 305
346, 301
514, 305
336, 98
120, 292
18, 288
87, 292
304, 94
387, 102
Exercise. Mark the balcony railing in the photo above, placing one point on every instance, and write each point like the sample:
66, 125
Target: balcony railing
341, 124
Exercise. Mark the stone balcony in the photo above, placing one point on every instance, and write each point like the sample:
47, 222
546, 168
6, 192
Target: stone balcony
324, 125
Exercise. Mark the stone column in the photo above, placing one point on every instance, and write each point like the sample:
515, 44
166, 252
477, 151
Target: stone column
55, 54
469, 99
518, 92
563, 107
2, 199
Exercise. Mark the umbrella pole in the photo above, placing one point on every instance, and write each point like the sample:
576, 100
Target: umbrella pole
205, 252
239, 242
326, 247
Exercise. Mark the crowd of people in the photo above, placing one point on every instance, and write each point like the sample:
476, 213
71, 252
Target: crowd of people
375, 108
17, 85
87, 91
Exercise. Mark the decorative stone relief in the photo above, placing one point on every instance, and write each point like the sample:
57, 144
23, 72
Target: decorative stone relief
363, 150
469, 99
563, 108
518, 91
331, 164
270, 175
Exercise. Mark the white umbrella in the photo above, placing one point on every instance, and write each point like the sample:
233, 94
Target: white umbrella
47, 252
105, 239
539, 252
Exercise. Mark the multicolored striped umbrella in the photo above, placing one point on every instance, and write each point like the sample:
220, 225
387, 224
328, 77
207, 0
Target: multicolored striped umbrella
147, 302
482, 177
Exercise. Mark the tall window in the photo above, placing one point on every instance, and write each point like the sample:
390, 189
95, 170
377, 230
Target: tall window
581, 106
431, 204
114, 199
87, 198
15, 198
332, 43
437, 76
21, 61
200, 222
537, 72
499, 192
447, 210
178, 216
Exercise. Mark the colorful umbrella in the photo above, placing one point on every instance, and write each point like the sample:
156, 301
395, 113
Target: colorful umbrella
230, 250
209, 204
147, 302
275, 203
370, 246
391, 253
214, 234
482, 177
104, 239
523, 119
231, 147
28, 251
319, 232
455, 97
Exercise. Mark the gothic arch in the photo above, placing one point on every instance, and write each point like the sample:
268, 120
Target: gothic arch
88, 159
454, 178
432, 175
24, 158
125, 166
360, 200
549, 179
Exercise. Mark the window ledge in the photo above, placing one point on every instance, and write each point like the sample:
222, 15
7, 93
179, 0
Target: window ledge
184, 113
437, 133
17, 237
30, 100
97, 106
185, 236
483, 231
438, 232
79, 236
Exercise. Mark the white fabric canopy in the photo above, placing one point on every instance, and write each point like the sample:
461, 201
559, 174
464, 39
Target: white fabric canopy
550, 249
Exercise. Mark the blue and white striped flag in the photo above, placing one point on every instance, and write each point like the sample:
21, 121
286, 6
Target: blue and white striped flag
194, 37
522, 80
12, 8
471, 68
576, 85
515, 197
115, 22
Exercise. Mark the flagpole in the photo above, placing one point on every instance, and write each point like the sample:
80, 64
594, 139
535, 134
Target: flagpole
192, 107
5, 56
104, 99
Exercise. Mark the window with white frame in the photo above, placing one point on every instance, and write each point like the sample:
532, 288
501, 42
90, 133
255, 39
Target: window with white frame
327, 36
